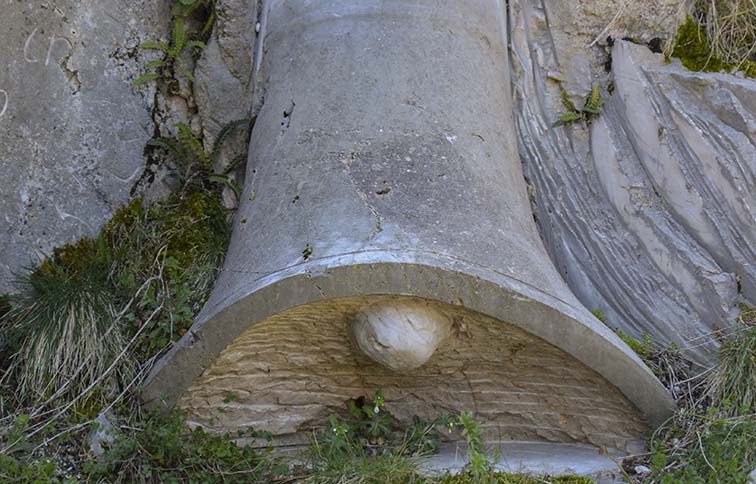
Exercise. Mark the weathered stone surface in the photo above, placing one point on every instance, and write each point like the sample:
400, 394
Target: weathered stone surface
648, 213
224, 75
288, 373
401, 335
396, 173
224, 88
72, 129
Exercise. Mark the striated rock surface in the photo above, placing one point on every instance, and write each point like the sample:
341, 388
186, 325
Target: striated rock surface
72, 129
649, 211
288, 373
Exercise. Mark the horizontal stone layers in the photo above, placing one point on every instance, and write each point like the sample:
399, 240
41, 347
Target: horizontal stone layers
288, 373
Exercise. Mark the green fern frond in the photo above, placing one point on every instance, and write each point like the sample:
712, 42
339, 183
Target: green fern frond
154, 45
196, 44
178, 38
567, 118
185, 72
239, 159
187, 7
208, 24
225, 132
191, 144
164, 143
594, 103
226, 181
154, 64
145, 78
566, 102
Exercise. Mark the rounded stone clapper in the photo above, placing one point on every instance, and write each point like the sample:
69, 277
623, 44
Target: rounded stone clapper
384, 239
402, 334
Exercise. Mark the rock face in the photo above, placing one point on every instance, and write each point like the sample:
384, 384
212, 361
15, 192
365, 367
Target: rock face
289, 373
224, 75
648, 212
72, 129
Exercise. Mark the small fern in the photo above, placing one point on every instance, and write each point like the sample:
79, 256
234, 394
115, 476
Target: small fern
594, 103
167, 67
227, 131
566, 102
567, 118
193, 163
184, 8
592, 108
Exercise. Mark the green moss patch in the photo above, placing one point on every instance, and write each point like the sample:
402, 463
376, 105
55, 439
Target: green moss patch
695, 51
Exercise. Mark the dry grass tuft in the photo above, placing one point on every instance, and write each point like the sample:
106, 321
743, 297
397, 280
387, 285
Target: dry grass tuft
732, 387
730, 26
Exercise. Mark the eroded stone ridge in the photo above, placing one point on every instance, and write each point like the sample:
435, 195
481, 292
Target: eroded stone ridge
648, 212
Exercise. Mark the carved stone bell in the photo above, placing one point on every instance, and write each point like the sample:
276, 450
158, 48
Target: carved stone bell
385, 240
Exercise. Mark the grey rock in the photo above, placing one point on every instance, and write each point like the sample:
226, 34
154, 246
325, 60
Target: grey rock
102, 435
225, 72
225, 80
532, 458
72, 129
648, 212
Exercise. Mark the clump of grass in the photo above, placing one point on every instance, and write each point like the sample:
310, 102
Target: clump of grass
5, 338
700, 49
704, 448
712, 437
77, 310
39, 471
161, 448
88, 322
693, 49
63, 321
5, 305
362, 469
730, 27
370, 446
505, 478
732, 386
182, 239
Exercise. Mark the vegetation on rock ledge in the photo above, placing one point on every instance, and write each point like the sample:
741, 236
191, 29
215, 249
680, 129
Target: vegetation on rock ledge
698, 52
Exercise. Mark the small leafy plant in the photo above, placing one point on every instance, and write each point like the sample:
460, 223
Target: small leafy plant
592, 108
163, 449
167, 67
193, 165
481, 467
